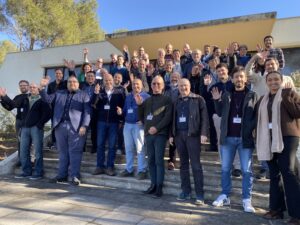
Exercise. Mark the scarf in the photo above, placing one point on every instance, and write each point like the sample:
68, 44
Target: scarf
264, 144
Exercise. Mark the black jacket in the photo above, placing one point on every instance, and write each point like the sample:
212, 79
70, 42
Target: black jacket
7, 103
248, 119
108, 115
198, 118
37, 115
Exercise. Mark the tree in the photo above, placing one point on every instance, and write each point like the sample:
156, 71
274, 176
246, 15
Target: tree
35, 24
121, 30
5, 47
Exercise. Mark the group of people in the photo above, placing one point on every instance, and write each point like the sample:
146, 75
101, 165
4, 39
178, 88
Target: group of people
236, 101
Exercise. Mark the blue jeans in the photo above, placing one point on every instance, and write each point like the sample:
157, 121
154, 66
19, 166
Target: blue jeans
156, 145
35, 136
70, 147
106, 130
228, 150
134, 139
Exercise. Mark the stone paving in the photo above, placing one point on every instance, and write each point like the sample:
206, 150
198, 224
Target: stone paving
25, 202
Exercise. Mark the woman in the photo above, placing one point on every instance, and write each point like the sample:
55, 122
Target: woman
278, 131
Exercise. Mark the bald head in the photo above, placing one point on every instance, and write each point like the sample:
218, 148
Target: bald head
184, 87
157, 84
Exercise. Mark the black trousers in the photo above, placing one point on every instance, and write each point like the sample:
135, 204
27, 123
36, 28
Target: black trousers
189, 151
172, 151
284, 184
93, 125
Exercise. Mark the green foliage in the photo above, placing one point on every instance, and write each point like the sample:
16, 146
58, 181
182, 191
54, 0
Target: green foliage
40, 23
296, 78
121, 30
5, 47
7, 121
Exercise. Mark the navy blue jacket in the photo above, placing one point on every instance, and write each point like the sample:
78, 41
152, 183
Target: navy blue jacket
79, 111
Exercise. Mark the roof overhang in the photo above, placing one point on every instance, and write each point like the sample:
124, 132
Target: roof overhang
248, 30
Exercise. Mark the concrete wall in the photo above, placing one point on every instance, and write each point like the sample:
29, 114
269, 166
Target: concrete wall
30, 65
286, 32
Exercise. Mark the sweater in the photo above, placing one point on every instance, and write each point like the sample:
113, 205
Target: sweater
160, 108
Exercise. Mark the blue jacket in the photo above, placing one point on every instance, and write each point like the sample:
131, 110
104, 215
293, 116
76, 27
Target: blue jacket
131, 104
79, 111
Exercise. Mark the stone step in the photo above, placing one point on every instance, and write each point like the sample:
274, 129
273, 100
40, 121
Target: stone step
205, 156
208, 165
211, 192
211, 178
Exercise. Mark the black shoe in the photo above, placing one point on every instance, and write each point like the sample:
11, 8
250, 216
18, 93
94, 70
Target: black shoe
236, 173
142, 176
150, 190
18, 164
99, 171
125, 173
59, 180
158, 192
263, 174
110, 172
22, 175
75, 181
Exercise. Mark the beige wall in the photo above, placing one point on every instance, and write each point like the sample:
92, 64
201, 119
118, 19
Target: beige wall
250, 33
286, 32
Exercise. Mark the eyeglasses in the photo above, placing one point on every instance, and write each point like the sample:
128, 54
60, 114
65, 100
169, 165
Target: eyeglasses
158, 84
99, 61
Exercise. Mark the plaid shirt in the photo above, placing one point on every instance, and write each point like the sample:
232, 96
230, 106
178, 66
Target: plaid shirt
277, 53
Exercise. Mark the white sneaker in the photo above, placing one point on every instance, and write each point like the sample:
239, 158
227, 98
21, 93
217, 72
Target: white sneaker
248, 206
221, 201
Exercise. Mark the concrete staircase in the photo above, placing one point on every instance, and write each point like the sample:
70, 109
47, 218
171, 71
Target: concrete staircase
211, 170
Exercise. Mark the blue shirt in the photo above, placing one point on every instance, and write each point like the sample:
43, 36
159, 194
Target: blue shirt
130, 109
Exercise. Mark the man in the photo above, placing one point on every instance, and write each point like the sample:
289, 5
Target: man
24, 88
225, 83
122, 89
106, 101
173, 93
120, 68
36, 113
196, 55
169, 51
206, 53
89, 87
166, 74
98, 68
236, 109
276, 53
177, 63
156, 113
190, 129
71, 118
134, 132
186, 58
58, 84
141, 74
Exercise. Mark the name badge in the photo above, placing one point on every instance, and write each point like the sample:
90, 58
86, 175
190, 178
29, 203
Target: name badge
130, 111
21, 110
182, 119
107, 107
150, 117
237, 120
270, 125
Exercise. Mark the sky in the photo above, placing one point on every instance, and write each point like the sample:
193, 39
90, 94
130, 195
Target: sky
137, 14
